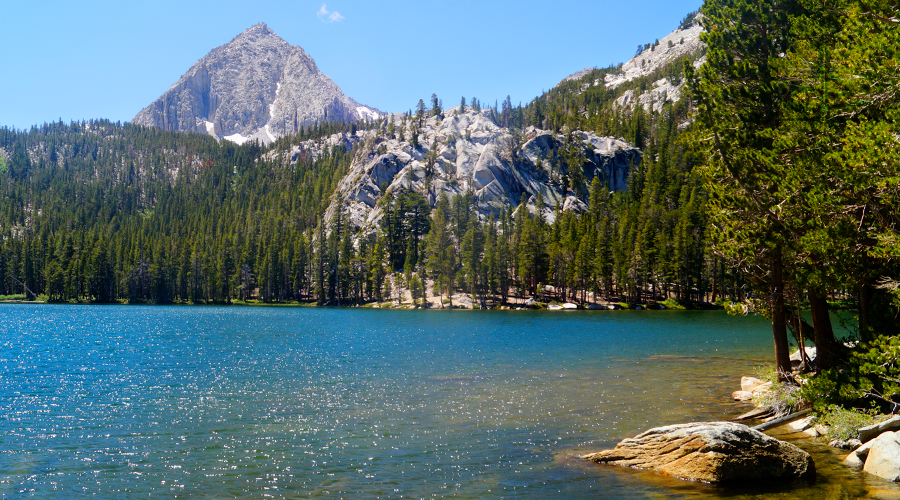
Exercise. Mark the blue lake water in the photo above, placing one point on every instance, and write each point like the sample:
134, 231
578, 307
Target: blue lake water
277, 402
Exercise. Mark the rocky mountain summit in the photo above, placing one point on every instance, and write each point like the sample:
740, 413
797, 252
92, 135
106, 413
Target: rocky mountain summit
257, 86
464, 150
682, 42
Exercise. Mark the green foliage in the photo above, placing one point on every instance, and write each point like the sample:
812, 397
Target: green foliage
673, 304
766, 373
843, 423
797, 128
688, 20
871, 375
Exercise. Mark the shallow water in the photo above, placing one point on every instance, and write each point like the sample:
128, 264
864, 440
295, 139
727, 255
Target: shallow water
223, 402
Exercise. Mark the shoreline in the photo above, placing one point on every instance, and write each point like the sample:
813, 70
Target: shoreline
460, 302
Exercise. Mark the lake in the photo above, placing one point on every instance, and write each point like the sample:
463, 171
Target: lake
286, 402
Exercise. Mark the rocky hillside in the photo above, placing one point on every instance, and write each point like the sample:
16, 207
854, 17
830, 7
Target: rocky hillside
256, 86
655, 60
465, 150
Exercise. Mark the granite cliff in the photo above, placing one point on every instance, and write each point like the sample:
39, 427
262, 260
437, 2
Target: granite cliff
464, 150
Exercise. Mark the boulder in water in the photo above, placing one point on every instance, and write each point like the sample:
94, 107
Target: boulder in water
712, 452
742, 395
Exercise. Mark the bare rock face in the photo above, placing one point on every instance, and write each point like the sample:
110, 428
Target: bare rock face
712, 452
682, 43
257, 86
466, 151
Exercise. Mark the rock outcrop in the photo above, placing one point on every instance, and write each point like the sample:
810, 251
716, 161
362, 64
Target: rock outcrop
682, 43
884, 463
257, 86
883, 458
797, 357
712, 452
751, 387
466, 151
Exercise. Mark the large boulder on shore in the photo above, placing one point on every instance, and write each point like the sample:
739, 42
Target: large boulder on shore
883, 459
712, 452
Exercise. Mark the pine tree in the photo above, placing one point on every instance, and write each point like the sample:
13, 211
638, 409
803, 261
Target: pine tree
741, 98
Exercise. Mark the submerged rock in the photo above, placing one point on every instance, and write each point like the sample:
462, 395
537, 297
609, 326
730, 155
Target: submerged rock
848, 444
712, 452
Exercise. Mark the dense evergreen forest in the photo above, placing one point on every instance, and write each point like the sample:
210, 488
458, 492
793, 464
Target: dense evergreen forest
103, 212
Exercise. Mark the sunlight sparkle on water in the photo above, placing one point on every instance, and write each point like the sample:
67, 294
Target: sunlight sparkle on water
278, 402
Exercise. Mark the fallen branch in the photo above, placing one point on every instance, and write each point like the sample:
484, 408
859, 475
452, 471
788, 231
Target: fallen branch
782, 420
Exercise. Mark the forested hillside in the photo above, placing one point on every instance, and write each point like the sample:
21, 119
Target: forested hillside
100, 211
103, 212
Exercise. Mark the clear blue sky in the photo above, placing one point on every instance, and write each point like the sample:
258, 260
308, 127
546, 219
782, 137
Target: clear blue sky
110, 59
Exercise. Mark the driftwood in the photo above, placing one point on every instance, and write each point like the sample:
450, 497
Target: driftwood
754, 414
782, 420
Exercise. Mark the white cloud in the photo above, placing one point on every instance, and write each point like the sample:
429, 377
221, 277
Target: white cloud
330, 17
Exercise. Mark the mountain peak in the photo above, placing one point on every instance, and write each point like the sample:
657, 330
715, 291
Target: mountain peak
257, 86
257, 30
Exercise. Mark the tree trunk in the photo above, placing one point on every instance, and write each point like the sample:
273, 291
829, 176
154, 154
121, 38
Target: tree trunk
865, 304
824, 335
450, 294
779, 325
715, 283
